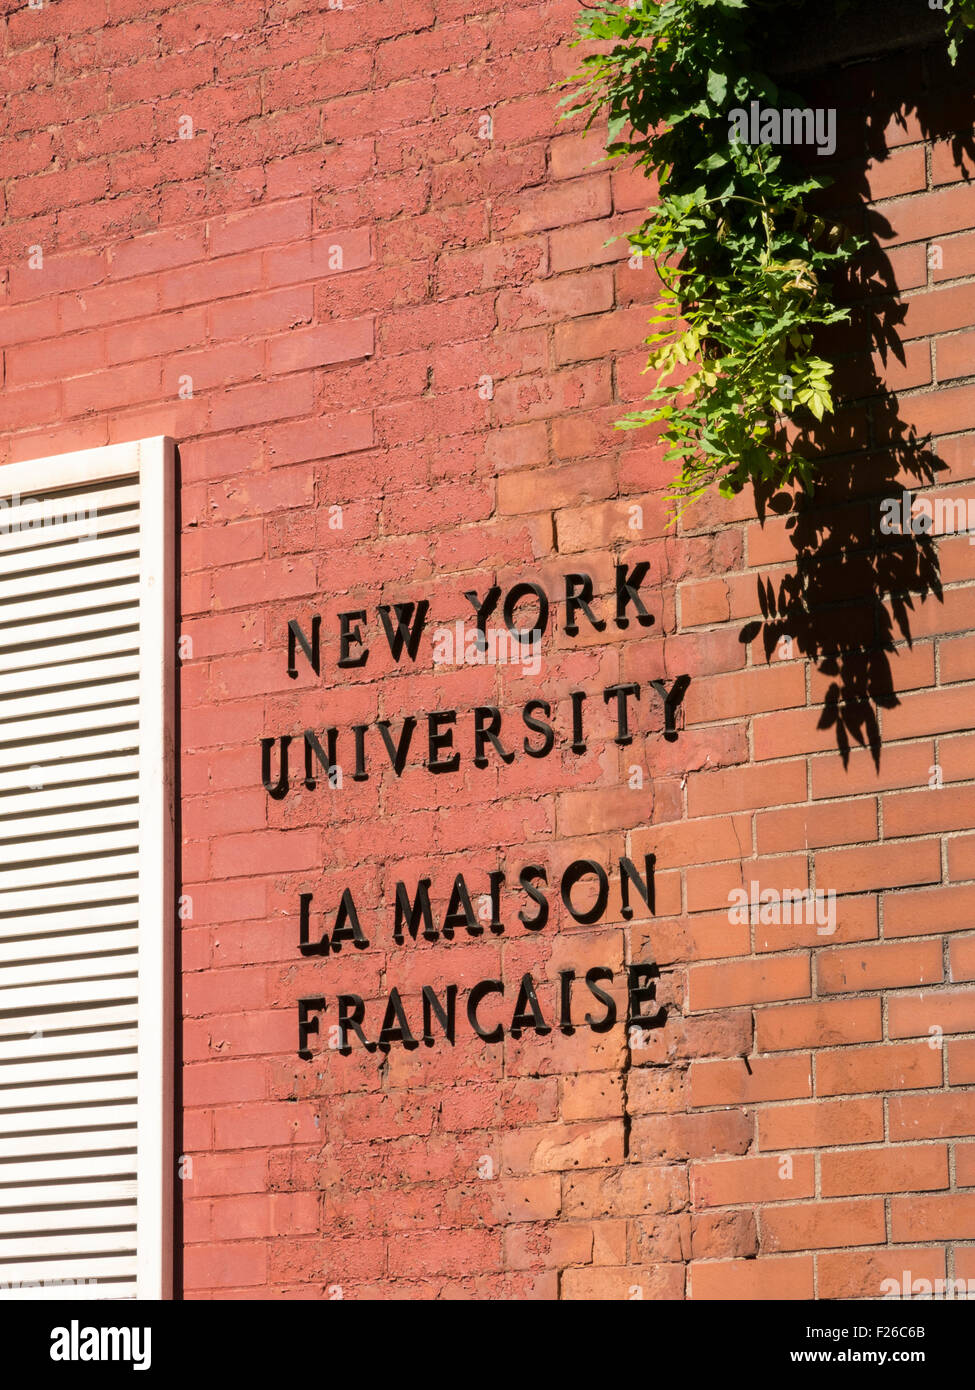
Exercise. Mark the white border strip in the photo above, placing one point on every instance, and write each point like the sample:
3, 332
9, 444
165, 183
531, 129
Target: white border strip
156, 460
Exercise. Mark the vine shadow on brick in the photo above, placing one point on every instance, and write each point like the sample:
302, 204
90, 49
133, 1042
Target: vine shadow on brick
854, 590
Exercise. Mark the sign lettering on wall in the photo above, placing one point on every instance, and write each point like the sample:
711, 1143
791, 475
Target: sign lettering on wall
498, 902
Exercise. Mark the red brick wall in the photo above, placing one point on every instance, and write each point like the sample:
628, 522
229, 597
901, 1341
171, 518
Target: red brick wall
795, 1128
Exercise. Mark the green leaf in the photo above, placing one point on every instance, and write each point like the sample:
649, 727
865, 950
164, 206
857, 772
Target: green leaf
718, 87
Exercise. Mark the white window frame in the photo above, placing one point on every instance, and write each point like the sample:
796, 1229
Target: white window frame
154, 461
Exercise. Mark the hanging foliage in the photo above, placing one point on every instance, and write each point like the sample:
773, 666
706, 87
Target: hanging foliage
745, 265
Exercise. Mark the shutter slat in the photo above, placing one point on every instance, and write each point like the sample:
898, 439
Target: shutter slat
98, 1016
115, 887
52, 1068
87, 576
118, 1113
66, 1219
58, 869
97, 1190
72, 992
98, 1288
73, 697
81, 600
74, 551
54, 1169
49, 831
77, 1267
67, 651
87, 1243
84, 777
69, 1093
84, 1141
104, 502
66, 1044
50, 628
39, 735
50, 758
82, 794
67, 674
68, 931
58, 971
68, 946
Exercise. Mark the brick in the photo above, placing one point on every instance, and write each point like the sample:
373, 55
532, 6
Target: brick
819, 1225
560, 1148
931, 810
535, 490
259, 227
162, 250
930, 911
237, 1264
701, 1135
933, 1218
321, 346
941, 1116
747, 982
548, 301
955, 355
121, 386
940, 711
590, 243
261, 313
743, 1181
792, 1026
745, 788
73, 355
572, 155
159, 333
764, 1078
848, 1070
901, 1168
745, 692
658, 1281
821, 1124
599, 336
863, 1273
321, 255
580, 201
849, 970
962, 959
753, 1280
878, 866
924, 217
254, 404
961, 859
326, 437
965, 1165
913, 1015
910, 768
813, 827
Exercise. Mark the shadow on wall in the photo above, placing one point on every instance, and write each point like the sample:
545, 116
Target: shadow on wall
854, 587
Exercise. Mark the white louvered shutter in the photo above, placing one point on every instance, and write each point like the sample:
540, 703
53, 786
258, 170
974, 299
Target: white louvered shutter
87, 603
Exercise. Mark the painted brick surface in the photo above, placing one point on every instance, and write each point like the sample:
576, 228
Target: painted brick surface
352, 262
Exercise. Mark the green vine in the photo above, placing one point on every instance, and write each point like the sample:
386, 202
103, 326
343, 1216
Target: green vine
744, 264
